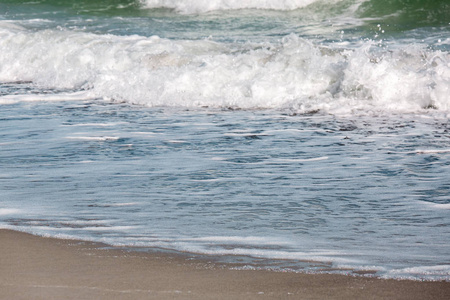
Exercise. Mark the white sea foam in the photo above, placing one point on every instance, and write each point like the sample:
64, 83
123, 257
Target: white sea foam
257, 247
318, 256
86, 222
176, 141
97, 124
301, 160
433, 151
292, 74
202, 6
121, 204
433, 205
74, 96
241, 240
9, 211
442, 205
110, 228
439, 272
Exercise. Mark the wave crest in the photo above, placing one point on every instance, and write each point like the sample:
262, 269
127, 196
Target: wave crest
202, 6
290, 74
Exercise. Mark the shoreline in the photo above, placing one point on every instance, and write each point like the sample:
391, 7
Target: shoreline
48, 268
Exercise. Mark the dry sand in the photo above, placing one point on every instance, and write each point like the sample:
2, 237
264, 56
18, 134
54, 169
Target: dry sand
43, 268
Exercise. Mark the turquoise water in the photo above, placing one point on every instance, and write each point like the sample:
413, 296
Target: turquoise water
298, 135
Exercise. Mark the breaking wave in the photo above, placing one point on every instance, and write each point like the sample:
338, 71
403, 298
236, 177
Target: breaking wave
291, 74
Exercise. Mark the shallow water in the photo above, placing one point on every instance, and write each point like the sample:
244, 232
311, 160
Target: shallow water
310, 137
367, 192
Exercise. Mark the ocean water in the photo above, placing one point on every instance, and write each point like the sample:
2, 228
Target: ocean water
295, 135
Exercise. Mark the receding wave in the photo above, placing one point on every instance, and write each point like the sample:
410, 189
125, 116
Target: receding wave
292, 74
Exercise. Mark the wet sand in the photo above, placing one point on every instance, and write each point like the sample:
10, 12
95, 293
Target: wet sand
44, 268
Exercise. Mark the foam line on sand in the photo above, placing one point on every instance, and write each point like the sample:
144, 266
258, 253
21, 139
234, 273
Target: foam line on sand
34, 267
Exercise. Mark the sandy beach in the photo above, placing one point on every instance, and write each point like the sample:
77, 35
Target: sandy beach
45, 268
